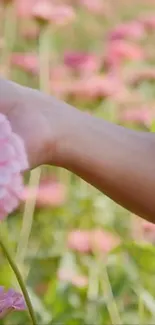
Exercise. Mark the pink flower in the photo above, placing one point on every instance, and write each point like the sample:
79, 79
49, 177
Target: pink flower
28, 62
119, 51
82, 62
94, 6
97, 86
62, 15
42, 9
61, 89
148, 231
45, 10
24, 8
13, 161
49, 193
148, 22
148, 226
60, 80
79, 240
87, 241
132, 30
79, 281
140, 115
60, 72
103, 241
58, 14
142, 75
10, 300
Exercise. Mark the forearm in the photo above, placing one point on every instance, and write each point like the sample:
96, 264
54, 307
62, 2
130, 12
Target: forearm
118, 161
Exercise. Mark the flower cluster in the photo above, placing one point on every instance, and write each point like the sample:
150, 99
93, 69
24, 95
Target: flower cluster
9, 301
93, 240
88, 75
13, 161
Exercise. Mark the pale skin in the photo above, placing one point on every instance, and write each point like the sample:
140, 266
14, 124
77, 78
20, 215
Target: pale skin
118, 161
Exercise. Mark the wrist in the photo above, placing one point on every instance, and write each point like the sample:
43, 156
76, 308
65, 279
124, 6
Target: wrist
70, 125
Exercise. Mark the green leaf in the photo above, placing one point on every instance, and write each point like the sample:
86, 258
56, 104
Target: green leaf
148, 300
152, 128
143, 254
39, 308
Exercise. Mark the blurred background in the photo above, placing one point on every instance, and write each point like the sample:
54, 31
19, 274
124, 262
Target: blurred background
85, 259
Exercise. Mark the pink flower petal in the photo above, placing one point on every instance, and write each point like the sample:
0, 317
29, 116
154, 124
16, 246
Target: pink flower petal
13, 160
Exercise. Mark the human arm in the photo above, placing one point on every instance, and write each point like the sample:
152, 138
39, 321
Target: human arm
118, 161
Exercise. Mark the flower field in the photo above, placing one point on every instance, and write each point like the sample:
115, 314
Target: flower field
84, 259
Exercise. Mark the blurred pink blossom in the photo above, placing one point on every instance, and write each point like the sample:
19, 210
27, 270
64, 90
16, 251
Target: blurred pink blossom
28, 62
142, 75
60, 80
148, 226
97, 86
24, 7
77, 280
120, 51
148, 231
142, 115
13, 161
79, 240
58, 14
104, 241
94, 6
83, 62
133, 30
148, 22
45, 10
62, 15
60, 72
42, 9
87, 241
49, 193
62, 89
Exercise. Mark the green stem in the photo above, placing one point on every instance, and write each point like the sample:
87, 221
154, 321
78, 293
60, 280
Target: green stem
28, 218
92, 295
44, 58
141, 311
110, 302
9, 34
19, 279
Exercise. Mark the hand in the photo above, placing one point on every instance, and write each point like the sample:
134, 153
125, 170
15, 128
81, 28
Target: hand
39, 119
